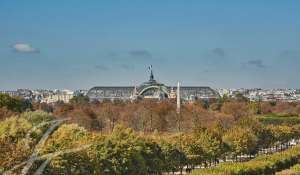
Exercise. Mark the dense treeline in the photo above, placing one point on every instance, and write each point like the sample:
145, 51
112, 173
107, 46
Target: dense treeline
149, 116
124, 151
121, 152
158, 141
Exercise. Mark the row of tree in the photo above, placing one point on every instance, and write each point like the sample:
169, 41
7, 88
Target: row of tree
148, 116
125, 151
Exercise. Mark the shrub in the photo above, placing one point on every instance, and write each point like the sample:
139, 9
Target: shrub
36, 117
262, 165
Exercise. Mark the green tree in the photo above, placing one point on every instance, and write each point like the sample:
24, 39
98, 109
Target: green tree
281, 134
192, 148
16, 104
80, 99
12, 134
36, 117
69, 136
124, 152
174, 158
210, 145
240, 141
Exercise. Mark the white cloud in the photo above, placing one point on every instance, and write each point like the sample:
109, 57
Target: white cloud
24, 48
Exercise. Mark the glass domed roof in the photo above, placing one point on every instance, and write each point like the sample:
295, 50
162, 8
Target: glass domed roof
149, 83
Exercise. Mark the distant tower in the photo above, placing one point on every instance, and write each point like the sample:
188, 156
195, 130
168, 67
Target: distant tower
178, 98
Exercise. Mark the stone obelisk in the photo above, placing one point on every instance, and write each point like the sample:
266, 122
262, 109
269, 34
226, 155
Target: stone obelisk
178, 98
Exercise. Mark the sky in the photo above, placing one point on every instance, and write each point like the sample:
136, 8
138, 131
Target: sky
76, 44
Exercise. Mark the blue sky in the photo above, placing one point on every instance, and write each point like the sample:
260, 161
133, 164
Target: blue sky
79, 44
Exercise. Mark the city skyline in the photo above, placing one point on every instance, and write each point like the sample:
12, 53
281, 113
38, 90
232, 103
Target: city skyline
78, 45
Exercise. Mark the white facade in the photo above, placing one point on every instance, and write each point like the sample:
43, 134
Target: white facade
64, 96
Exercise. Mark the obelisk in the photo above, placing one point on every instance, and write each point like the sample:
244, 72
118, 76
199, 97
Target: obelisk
178, 98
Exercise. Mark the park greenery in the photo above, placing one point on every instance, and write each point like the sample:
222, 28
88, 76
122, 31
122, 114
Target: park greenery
262, 165
228, 136
294, 170
12, 105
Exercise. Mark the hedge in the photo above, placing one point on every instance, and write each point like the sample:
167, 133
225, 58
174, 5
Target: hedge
279, 119
262, 165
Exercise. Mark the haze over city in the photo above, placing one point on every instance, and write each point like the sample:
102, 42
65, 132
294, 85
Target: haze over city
80, 44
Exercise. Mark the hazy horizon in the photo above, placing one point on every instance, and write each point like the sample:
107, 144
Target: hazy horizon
81, 44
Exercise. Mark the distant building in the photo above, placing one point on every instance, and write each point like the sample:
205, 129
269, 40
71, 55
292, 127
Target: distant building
10, 93
150, 89
80, 92
257, 94
25, 93
64, 96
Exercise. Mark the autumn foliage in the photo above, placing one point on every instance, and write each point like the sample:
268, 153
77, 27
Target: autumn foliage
146, 137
